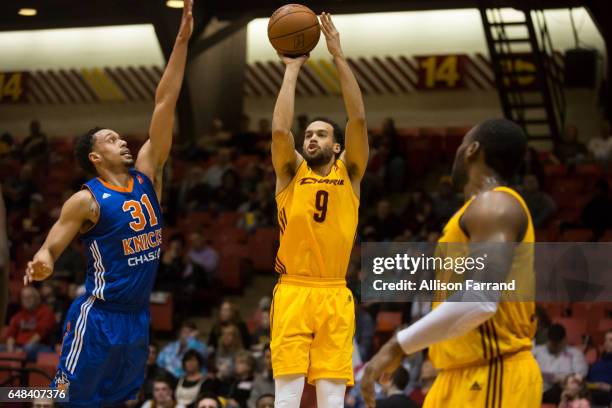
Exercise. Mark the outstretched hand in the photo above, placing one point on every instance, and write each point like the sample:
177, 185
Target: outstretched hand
294, 61
186, 20
332, 36
39, 268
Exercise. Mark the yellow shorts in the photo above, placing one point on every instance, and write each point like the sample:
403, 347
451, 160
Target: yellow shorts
511, 382
313, 323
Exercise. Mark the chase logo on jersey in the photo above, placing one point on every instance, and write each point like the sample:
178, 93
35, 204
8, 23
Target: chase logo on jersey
314, 180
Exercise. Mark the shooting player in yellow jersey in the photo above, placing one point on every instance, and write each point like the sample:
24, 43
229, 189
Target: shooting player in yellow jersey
317, 196
481, 347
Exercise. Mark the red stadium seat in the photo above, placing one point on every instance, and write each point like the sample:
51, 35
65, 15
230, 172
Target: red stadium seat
36, 379
161, 314
553, 309
49, 359
575, 329
388, 321
555, 170
6, 374
12, 356
576, 235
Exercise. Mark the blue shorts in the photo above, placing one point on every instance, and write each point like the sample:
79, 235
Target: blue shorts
104, 353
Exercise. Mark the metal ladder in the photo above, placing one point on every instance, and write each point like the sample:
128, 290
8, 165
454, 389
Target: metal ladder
529, 82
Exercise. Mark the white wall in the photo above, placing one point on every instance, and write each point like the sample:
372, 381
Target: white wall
423, 32
80, 48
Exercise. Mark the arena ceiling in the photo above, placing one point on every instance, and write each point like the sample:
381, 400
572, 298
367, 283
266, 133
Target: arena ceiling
80, 13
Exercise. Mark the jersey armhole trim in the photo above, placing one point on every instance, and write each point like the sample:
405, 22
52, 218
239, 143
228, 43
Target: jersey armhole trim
348, 174
297, 170
83, 187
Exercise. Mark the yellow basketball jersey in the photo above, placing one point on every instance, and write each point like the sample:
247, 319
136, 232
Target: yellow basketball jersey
318, 220
512, 327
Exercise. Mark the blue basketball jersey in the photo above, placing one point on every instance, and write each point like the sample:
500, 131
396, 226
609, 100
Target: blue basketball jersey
123, 248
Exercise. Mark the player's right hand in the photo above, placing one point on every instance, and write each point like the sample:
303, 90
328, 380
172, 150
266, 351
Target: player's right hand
39, 268
294, 61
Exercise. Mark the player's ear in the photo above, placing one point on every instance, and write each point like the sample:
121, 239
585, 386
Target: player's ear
337, 148
472, 150
95, 158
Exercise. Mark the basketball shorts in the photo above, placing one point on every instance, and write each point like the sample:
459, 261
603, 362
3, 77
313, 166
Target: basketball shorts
104, 353
313, 323
509, 382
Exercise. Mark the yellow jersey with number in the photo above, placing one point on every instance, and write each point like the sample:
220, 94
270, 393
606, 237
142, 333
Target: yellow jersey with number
512, 327
318, 220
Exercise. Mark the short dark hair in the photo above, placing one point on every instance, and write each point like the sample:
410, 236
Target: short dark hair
504, 144
338, 132
191, 353
400, 378
556, 333
208, 395
165, 379
190, 324
264, 396
84, 146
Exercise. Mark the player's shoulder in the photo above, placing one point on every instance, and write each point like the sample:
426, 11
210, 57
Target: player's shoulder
81, 204
495, 205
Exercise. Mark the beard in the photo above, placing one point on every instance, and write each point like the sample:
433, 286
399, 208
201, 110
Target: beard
319, 158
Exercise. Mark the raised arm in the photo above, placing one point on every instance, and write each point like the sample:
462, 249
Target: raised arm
78, 213
4, 260
492, 219
356, 149
155, 151
285, 158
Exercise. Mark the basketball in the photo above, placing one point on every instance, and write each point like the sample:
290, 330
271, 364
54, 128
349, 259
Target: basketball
294, 30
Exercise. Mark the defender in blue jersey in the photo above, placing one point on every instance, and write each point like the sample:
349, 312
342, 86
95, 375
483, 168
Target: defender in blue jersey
105, 344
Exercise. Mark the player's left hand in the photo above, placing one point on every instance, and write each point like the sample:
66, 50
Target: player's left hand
331, 35
386, 360
186, 21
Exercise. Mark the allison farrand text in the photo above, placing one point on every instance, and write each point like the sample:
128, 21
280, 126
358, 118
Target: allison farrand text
433, 285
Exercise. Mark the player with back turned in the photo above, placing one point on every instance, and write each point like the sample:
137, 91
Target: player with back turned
118, 215
312, 316
481, 345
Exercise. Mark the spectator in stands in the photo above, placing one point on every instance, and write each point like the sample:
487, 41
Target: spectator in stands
35, 146
230, 344
189, 385
544, 322
34, 222
541, 206
419, 212
393, 387
251, 177
264, 136
152, 372
220, 381
263, 384
7, 144
162, 395
171, 357
365, 328
575, 394
229, 196
601, 147
244, 371
445, 201
596, 215
4, 260
173, 265
532, 165
29, 329
261, 334
570, 150
426, 379
394, 166
216, 138
193, 191
600, 375
214, 174
265, 401
18, 190
228, 313
259, 210
209, 401
384, 225
203, 261
557, 360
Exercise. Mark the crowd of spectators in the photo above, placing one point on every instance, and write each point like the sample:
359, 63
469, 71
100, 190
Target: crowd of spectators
232, 366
